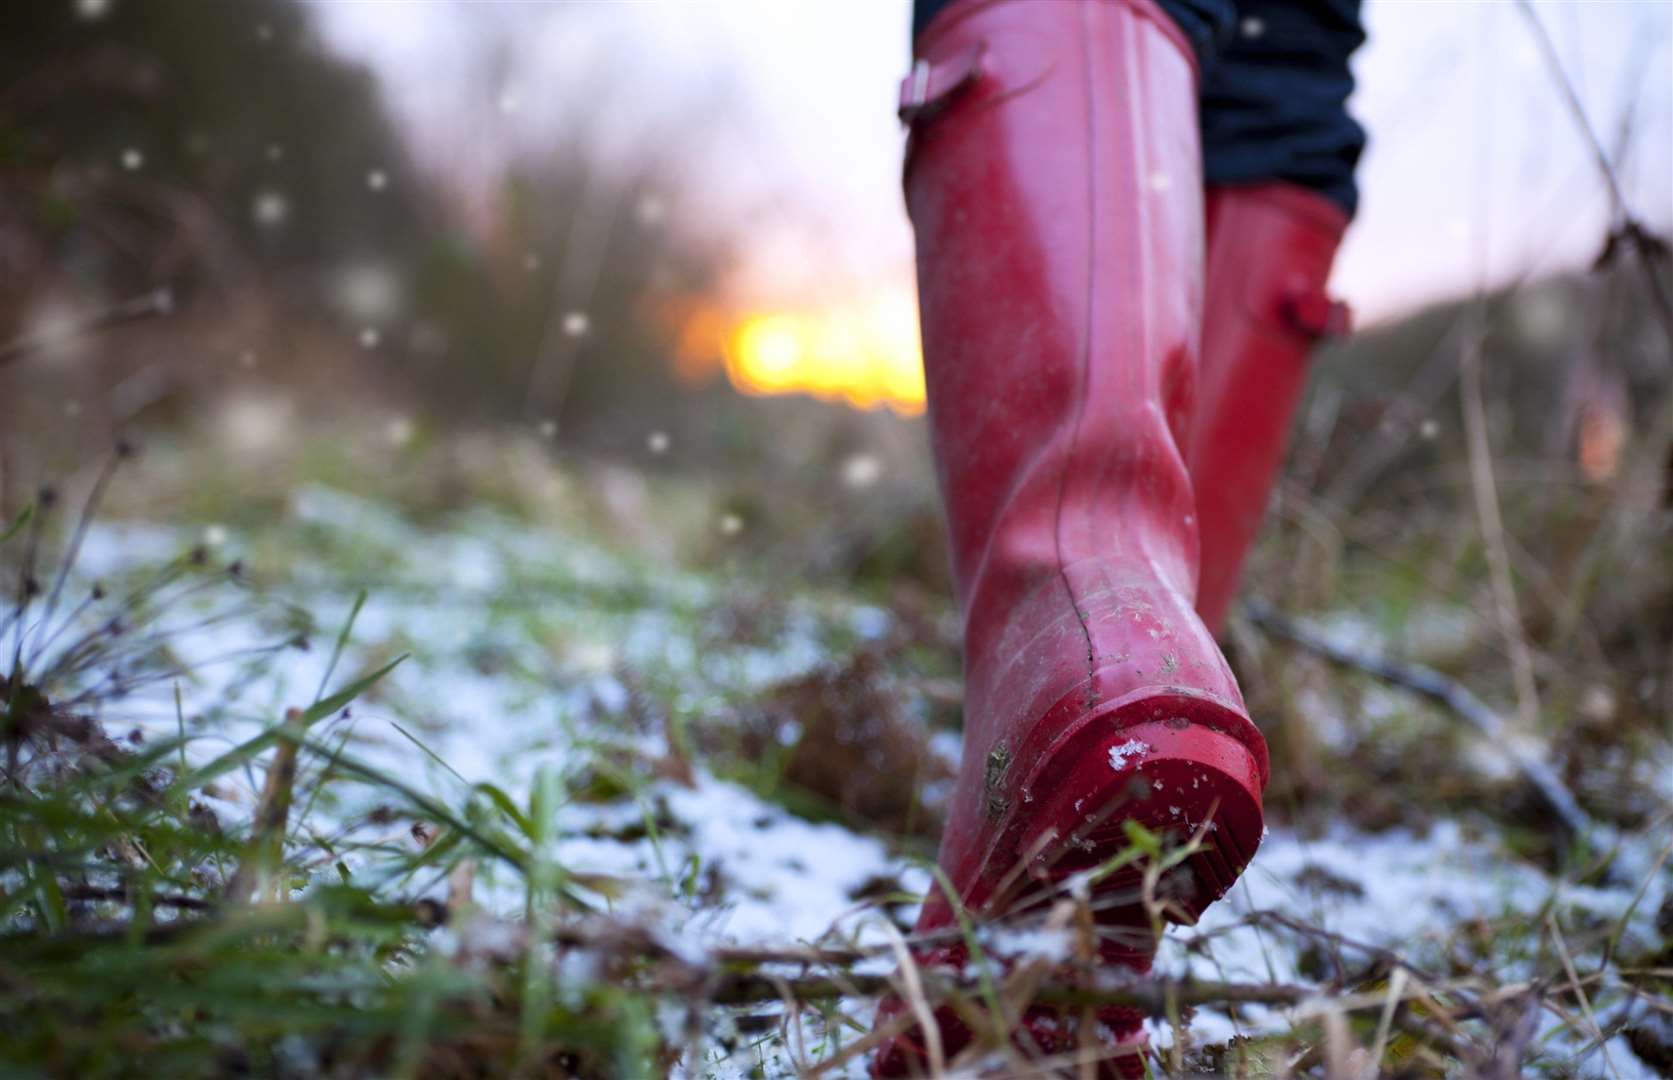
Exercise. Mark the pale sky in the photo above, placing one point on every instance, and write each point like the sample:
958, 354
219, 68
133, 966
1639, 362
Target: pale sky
782, 115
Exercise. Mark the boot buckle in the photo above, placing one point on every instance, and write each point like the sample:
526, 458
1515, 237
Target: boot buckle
931, 86
1317, 315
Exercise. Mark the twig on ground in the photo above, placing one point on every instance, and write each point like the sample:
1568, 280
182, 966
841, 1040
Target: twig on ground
1513, 1044
94, 893
1396, 987
1579, 991
912, 989
1149, 994
1427, 682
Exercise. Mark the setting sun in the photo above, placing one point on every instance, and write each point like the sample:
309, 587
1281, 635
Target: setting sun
865, 355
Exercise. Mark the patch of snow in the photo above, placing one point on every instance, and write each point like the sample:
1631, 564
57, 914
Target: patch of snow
1129, 749
1030, 943
869, 622
1413, 892
712, 862
948, 746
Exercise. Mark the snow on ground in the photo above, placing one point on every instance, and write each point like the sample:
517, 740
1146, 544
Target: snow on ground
726, 865
783, 878
1392, 890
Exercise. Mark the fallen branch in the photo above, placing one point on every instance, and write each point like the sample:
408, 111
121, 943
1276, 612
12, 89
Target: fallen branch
1517, 1036
123, 895
156, 302
1150, 994
1429, 683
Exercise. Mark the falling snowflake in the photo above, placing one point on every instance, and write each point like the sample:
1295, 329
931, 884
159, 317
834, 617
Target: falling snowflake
92, 9
650, 211
56, 327
576, 323
370, 337
1252, 26
861, 471
377, 180
214, 536
132, 159
731, 524
275, 151
657, 442
548, 429
1428, 429
247, 358
254, 422
399, 431
509, 102
531, 262
270, 209
1540, 317
368, 292
264, 32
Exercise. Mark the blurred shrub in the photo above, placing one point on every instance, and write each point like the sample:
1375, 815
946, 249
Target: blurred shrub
220, 150
190, 142
556, 318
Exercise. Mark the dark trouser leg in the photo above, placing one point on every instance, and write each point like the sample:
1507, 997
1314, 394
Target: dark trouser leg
1274, 92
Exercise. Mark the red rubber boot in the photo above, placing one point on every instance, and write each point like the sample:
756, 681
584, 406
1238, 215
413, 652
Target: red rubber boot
1053, 180
1270, 247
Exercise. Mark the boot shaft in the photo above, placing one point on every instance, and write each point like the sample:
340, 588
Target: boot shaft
1270, 249
1052, 185
1053, 181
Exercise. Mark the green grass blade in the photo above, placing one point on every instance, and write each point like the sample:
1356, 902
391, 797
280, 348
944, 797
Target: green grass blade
18, 522
342, 643
250, 748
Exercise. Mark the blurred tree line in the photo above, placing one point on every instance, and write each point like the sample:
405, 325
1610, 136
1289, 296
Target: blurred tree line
221, 152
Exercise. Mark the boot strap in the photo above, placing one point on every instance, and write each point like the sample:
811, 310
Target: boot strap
1314, 313
932, 85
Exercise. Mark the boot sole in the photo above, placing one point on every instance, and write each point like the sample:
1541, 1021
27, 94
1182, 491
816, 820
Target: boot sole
1165, 758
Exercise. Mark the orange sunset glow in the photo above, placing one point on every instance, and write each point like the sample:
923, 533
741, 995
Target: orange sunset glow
864, 354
